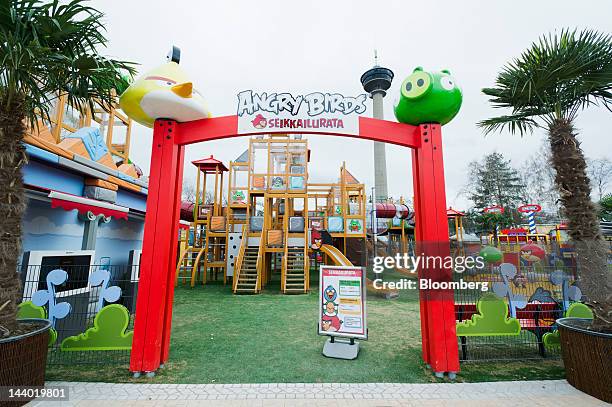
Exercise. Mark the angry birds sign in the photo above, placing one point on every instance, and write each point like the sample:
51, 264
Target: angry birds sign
163, 93
532, 253
428, 97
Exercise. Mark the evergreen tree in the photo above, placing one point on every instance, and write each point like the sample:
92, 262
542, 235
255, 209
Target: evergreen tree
493, 181
605, 208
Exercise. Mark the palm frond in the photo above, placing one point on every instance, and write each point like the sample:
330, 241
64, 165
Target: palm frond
558, 76
514, 123
52, 47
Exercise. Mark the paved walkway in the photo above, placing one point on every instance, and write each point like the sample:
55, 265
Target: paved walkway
556, 393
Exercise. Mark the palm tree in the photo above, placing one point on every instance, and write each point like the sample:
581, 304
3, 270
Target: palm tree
546, 87
45, 48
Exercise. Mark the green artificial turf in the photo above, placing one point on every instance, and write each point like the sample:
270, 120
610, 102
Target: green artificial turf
218, 337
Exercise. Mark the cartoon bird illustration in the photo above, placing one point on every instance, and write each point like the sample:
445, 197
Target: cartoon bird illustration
259, 122
532, 253
164, 92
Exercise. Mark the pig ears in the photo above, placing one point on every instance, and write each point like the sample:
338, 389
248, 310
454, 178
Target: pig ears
446, 71
418, 69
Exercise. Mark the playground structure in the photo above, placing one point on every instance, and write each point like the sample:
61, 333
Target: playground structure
265, 226
259, 231
435, 92
399, 221
551, 239
207, 232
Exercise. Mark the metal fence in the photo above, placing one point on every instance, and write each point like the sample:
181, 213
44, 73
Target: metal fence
536, 298
79, 292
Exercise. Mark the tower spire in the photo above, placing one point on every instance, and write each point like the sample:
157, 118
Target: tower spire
376, 81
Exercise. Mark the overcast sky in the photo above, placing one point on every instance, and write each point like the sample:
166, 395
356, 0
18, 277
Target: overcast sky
277, 46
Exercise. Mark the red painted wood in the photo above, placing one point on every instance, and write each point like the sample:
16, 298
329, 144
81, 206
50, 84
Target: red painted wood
177, 187
207, 129
446, 300
369, 129
433, 231
428, 234
166, 225
389, 132
148, 247
419, 238
154, 306
156, 258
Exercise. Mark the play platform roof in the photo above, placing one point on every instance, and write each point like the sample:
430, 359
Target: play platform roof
452, 212
210, 164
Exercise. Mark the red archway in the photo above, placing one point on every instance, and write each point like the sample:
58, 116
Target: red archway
153, 321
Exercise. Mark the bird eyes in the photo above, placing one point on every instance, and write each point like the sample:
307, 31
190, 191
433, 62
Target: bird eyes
164, 83
161, 81
447, 83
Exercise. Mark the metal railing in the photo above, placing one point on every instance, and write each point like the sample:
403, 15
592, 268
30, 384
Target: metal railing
81, 290
536, 298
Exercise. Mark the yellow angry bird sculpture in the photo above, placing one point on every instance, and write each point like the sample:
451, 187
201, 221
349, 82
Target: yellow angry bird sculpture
165, 92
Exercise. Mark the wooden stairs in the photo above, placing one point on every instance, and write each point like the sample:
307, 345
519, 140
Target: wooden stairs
295, 278
247, 275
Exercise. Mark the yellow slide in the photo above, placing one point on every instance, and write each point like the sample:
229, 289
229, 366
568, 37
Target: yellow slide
335, 255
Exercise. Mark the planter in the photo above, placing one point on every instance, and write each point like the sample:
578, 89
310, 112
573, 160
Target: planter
24, 357
586, 356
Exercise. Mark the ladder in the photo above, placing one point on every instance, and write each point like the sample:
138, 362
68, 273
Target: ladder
247, 275
295, 273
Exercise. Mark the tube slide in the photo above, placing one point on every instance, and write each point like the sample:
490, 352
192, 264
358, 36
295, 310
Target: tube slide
388, 210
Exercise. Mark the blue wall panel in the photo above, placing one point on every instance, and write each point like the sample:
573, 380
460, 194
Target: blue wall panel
117, 238
47, 176
131, 200
46, 228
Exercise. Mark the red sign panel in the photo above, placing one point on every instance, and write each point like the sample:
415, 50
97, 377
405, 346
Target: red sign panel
494, 209
529, 208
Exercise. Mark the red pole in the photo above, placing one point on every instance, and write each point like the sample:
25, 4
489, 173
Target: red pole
160, 239
439, 342
178, 186
419, 238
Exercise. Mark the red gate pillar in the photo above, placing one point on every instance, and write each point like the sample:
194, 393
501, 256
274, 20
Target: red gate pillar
171, 275
439, 341
157, 265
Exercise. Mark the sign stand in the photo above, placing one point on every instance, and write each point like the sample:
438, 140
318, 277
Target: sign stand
341, 348
342, 313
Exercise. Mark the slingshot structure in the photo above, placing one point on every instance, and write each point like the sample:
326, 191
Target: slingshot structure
151, 343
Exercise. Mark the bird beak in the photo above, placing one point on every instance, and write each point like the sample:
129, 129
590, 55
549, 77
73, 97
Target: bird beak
184, 90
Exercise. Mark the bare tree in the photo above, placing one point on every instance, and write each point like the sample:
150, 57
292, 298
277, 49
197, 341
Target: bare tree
600, 174
189, 191
539, 180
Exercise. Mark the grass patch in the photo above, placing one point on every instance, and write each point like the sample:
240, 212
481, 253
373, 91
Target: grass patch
218, 337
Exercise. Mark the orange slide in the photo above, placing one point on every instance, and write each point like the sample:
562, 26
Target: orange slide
335, 255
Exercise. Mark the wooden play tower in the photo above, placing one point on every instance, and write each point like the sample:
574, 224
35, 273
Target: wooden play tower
262, 233
209, 231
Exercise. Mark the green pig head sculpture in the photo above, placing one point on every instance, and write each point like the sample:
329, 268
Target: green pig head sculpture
428, 97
